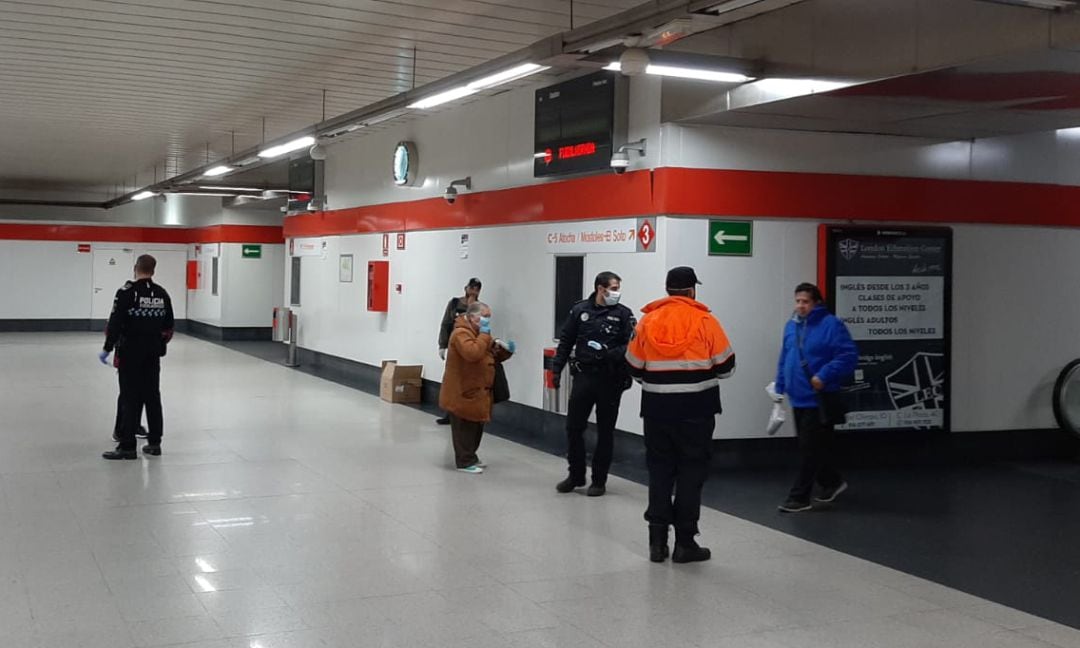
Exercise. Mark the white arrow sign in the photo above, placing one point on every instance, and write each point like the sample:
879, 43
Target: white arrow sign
720, 238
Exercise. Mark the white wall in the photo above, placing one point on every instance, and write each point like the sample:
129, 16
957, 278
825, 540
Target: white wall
248, 289
53, 280
1002, 302
251, 287
519, 284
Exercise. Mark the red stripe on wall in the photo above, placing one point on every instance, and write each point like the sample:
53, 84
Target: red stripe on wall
709, 192
605, 196
866, 198
175, 235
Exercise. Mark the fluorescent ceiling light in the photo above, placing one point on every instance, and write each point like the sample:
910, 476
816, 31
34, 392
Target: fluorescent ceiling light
499, 78
730, 5
217, 171
1040, 4
443, 97
213, 188
143, 195
688, 73
203, 193
506, 76
287, 147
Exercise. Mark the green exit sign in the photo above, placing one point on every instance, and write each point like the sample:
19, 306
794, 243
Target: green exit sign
731, 238
251, 251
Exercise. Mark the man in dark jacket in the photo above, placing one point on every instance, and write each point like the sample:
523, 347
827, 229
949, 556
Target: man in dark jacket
119, 424
455, 308
597, 332
141, 325
817, 356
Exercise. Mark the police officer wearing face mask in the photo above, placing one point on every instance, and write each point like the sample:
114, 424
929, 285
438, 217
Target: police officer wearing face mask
597, 332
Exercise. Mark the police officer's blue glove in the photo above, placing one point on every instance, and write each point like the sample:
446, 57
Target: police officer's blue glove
104, 357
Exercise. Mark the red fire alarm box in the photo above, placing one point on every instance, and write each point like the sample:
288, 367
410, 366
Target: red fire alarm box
378, 282
192, 275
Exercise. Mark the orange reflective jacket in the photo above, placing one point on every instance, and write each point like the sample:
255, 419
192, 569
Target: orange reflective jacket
679, 354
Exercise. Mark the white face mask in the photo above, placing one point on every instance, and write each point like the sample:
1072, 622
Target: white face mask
612, 298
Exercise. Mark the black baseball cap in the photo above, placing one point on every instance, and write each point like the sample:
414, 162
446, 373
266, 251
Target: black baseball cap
474, 283
681, 278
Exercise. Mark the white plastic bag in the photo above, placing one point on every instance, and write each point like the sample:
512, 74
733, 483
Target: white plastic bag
776, 418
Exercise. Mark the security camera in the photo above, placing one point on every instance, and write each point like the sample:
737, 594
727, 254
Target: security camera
620, 159
451, 191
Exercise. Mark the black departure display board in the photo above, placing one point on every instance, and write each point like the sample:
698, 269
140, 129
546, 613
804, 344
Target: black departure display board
892, 288
575, 125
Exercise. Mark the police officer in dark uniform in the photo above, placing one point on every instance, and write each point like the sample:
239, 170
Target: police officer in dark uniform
597, 332
140, 327
119, 425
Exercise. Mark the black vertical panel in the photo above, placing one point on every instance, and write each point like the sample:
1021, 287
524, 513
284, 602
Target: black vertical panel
214, 276
569, 279
294, 286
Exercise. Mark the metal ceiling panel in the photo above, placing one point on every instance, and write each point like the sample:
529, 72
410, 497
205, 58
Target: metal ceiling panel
111, 93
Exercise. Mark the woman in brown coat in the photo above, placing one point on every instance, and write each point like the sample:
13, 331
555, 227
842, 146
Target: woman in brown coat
467, 382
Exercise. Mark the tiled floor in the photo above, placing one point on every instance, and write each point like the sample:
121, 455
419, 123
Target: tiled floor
291, 512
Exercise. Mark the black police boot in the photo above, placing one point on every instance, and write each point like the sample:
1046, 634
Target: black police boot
443, 420
658, 546
569, 484
154, 450
114, 455
687, 549
596, 489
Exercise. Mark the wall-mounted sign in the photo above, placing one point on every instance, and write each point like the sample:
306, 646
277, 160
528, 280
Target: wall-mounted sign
401, 240
251, 251
84, 248
406, 164
731, 238
345, 268
892, 289
574, 125
386, 245
623, 235
308, 247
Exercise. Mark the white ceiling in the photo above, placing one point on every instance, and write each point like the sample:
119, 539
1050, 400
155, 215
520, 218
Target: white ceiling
100, 93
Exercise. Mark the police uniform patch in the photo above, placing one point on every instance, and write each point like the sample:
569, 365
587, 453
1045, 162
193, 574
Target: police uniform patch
584, 317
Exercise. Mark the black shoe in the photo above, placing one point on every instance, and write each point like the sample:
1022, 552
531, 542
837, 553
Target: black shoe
445, 420
114, 455
689, 551
658, 546
794, 506
596, 490
569, 484
154, 450
829, 494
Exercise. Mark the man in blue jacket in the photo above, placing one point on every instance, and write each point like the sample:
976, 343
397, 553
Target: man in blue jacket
817, 357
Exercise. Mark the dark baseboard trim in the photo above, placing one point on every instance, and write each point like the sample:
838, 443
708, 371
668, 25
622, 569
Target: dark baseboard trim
43, 325
226, 333
546, 431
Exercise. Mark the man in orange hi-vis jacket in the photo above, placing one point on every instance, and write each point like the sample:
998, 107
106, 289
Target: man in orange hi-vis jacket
679, 354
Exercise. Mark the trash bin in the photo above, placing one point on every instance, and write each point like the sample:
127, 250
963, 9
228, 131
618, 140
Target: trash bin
556, 399
281, 324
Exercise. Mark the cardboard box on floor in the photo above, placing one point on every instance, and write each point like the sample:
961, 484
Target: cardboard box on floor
400, 383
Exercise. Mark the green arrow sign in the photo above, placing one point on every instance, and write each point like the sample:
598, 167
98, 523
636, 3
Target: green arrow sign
251, 252
731, 238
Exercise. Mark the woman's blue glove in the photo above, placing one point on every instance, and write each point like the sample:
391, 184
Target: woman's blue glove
104, 357
485, 325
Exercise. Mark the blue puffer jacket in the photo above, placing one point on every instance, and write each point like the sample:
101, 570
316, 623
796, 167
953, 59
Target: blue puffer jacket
829, 350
